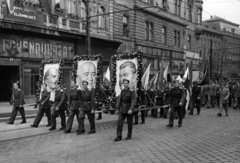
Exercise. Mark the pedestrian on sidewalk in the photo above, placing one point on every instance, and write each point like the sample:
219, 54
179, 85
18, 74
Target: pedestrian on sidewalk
87, 107
58, 105
224, 97
17, 100
177, 97
44, 107
73, 105
126, 105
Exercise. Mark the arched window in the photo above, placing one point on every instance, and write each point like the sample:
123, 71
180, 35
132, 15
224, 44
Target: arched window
83, 11
71, 6
101, 18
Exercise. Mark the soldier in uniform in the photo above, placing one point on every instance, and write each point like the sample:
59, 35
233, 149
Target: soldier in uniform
73, 105
87, 106
58, 101
44, 107
167, 92
177, 97
125, 106
159, 101
17, 100
196, 93
142, 102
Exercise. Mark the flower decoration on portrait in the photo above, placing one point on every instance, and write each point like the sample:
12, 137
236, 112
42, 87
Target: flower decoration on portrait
88, 58
114, 59
41, 73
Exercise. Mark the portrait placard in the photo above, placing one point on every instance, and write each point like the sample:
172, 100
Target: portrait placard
126, 67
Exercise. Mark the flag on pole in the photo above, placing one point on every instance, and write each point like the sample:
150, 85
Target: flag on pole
153, 81
203, 76
179, 78
145, 77
106, 78
9, 4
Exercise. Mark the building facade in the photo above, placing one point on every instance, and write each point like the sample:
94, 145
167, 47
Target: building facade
32, 31
159, 28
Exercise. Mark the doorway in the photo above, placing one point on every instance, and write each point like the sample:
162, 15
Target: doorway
9, 74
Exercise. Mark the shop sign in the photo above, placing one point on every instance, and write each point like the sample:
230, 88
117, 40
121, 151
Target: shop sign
22, 14
30, 47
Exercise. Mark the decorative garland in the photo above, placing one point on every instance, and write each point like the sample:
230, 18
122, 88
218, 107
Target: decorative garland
41, 73
114, 59
89, 58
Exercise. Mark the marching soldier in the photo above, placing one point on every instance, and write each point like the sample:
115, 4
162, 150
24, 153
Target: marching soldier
159, 101
87, 106
73, 105
142, 102
17, 100
177, 97
58, 101
125, 106
44, 107
196, 93
167, 92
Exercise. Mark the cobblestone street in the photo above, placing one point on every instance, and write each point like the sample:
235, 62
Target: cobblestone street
205, 138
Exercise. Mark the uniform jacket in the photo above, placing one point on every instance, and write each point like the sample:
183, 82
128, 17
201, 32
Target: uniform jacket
60, 100
126, 101
237, 91
177, 95
196, 92
17, 98
74, 99
160, 97
87, 102
167, 96
224, 95
44, 101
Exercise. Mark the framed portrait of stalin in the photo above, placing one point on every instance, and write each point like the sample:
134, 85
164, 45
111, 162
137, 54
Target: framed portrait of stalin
126, 67
50, 71
87, 68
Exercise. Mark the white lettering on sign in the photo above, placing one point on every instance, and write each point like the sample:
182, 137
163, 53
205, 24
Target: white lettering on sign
38, 50
25, 16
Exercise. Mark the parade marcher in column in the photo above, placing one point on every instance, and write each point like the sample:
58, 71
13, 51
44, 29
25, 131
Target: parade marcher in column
126, 105
185, 101
87, 107
196, 94
237, 94
73, 106
59, 105
153, 97
17, 100
149, 99
217, 96
159, 101
212, 93
67, 97
142, 97
44, 107
177, 97
230, 96
224, 97
167, 92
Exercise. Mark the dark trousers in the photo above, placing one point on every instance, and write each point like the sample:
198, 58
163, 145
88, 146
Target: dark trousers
121, 118
165, 112
195, 102
14, 114
91, 118
54, 115
212, 101
230, 101
72, 113
217, 100
142, 116
179, 110
238, 102
40, 115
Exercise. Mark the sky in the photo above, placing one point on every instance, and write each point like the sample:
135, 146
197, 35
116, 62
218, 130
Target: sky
228, 9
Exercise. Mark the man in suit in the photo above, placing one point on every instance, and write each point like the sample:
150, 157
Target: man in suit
17, 100
58, 101
177, 97
87, 106
196, 93
73, 105
125, 106
224, 97
44, 107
